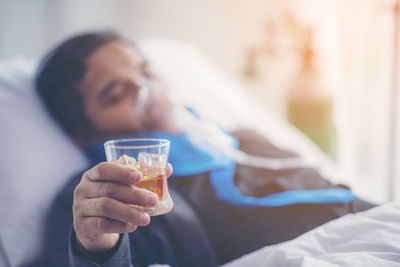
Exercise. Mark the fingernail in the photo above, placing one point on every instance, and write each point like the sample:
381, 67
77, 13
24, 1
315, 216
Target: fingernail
134, 176
152, 199
144, 218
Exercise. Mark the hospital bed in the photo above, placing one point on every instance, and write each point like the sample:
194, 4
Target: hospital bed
36, 159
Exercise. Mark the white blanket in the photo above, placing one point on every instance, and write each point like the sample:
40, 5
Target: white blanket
370, 238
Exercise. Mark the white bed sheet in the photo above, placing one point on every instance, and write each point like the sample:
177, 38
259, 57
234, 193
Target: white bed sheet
369, 238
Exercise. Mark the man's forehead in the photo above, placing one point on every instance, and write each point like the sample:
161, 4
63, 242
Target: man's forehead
111, 59
112, 55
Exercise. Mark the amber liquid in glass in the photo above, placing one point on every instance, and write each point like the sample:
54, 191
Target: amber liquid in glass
153, 184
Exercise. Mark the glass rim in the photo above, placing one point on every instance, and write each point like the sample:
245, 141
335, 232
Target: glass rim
116, 143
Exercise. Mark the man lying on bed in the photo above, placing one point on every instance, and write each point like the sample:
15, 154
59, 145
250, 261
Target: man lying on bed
90, 85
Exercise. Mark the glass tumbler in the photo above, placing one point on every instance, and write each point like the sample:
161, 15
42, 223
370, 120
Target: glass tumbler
150, 157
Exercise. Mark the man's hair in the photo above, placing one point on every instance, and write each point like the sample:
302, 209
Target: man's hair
59, 75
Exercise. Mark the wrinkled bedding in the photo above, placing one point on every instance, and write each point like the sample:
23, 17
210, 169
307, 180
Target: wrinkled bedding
369, 238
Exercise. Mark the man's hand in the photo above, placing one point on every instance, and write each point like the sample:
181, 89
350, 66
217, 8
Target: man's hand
101, 209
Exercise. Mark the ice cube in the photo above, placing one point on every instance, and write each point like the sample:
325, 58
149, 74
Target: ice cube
152, 165
128, 161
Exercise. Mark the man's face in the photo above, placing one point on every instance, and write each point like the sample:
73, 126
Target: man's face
110, 91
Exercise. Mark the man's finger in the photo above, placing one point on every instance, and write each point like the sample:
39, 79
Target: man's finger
126, 193
113, 172
169, 171
113, 209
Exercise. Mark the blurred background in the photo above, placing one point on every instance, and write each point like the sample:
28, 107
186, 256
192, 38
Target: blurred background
329, 67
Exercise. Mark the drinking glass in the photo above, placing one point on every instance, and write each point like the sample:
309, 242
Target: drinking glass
150, 157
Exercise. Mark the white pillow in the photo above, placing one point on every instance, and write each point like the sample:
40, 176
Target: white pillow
37, 158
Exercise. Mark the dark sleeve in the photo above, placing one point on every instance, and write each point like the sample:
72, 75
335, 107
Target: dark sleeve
58, 225
118, 256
